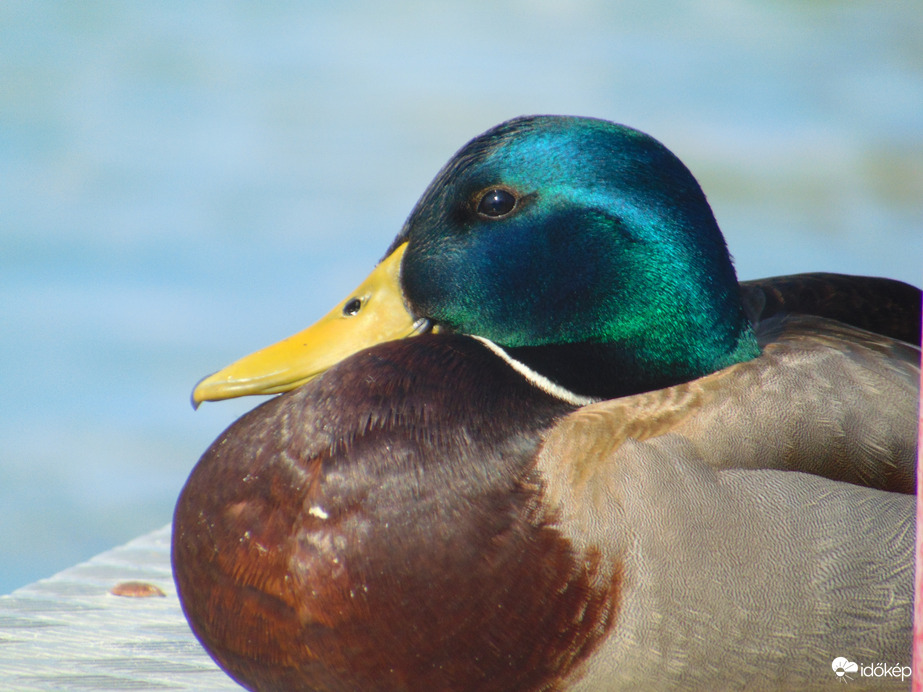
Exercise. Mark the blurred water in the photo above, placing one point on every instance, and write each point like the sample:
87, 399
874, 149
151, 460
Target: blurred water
181, 183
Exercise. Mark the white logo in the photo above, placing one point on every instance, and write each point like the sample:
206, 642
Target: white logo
842, 665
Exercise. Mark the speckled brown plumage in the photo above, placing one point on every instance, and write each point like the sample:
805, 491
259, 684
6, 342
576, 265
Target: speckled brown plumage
384, 528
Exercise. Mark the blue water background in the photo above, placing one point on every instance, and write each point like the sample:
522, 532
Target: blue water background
182, 183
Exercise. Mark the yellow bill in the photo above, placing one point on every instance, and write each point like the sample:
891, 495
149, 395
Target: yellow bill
372, 314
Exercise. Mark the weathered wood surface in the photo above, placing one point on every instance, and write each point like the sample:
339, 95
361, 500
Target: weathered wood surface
70, 633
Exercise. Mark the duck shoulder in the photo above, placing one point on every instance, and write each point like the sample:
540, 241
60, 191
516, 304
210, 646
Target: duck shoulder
884, 306
823, 397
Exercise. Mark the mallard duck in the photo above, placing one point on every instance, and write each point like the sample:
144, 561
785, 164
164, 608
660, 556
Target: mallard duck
552, 443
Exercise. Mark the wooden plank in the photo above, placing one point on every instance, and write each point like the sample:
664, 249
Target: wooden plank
70, 633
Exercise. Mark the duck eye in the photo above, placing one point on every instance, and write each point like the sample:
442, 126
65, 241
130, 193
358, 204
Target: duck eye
496, 202
352, 307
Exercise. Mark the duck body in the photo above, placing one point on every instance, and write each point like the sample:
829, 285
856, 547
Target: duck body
486, 535
563, 499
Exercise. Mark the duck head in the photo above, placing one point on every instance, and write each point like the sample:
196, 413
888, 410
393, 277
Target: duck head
584, 250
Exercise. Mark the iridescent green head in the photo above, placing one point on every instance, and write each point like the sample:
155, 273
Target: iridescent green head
585, 249
578, 248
